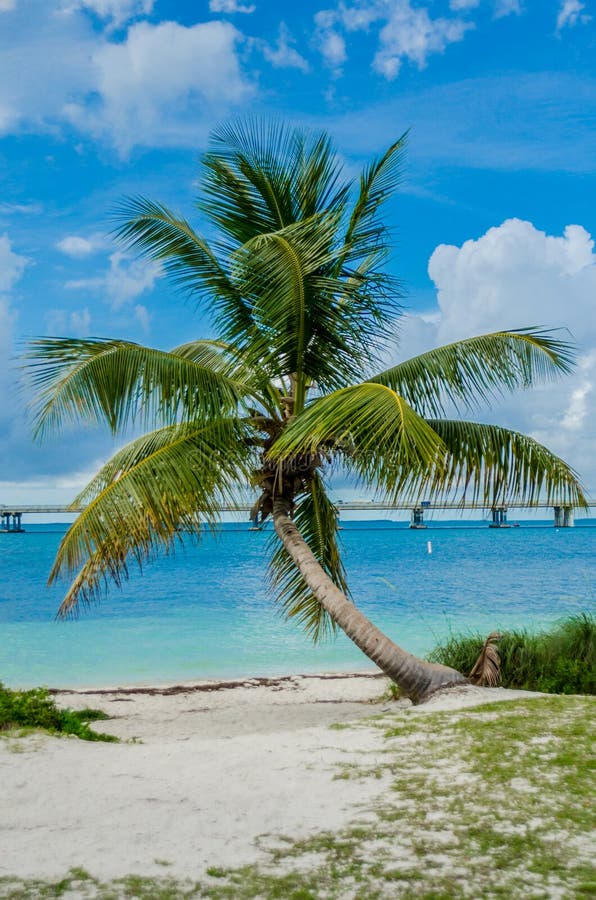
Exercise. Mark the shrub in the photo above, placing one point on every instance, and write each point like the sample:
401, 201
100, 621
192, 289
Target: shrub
36, 709
559, 661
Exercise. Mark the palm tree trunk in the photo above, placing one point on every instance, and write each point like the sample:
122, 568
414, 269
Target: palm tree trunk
416, 678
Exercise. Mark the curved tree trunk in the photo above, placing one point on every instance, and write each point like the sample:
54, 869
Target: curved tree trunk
416, 678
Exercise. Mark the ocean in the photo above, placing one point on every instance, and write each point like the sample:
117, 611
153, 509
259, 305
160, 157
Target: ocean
206, 612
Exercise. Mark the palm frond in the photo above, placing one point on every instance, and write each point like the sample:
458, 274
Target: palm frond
381, 438
236, 365
378, 183
492, 464
309, 319
486, 671
471, 371
261, 176
187, 258
120, 381
315, 517
168, 481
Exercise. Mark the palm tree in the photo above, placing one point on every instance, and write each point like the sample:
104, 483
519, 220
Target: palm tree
304, 310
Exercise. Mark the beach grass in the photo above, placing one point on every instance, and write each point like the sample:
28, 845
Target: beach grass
23, 711
492, 801
559, 661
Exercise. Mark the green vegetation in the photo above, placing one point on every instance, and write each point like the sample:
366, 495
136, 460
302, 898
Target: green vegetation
294, 277
36, 709
491, 802
560, 661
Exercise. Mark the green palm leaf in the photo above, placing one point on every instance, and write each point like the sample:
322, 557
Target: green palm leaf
496, 465
382, 439
189, 261
378, 183
472, 371
295, 304
119, 381
262, 176
316, 518
236, 365
167, 481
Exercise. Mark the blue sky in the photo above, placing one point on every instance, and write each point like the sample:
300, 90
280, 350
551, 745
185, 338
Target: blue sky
494, 223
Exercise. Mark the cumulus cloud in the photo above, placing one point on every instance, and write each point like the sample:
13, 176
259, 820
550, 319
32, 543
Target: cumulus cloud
7, 5
64, 323
117, 11
507, 8
143, 317
79, 247
32, 87
124, 281
284, 55
160, 75
158, 85
517, 276
411, 34
458, 5
230, 6
405, 32
12, 265
330, 42
570, 14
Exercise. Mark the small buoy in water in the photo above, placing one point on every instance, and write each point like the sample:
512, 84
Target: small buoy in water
429, 547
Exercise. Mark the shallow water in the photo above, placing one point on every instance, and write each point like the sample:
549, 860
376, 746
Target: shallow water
206, 611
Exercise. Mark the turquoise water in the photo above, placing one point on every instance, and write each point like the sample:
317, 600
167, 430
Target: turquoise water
206, 612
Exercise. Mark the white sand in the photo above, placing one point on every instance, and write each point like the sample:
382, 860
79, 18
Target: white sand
213, 770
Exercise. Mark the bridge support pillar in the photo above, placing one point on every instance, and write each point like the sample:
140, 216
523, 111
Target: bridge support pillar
563, 516
11, 522
417, 518
499, 517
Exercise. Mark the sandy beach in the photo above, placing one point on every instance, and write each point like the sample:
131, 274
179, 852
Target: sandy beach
203, 773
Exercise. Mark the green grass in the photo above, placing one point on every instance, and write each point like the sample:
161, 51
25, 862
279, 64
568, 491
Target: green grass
559, 661
492, 802
35, 709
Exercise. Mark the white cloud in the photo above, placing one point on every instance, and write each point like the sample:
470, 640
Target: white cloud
143, 317
284, 55
124, 281
333, 48
230, 6
458, 5
118, 11
516, 276
12, 265
24, 209
406, 32
64, 323
570, 14
33, 88
507, 8
160, 78
79, 247
411, 34
7, 5
158, 85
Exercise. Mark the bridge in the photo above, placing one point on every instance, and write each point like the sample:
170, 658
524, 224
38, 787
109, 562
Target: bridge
563, 514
